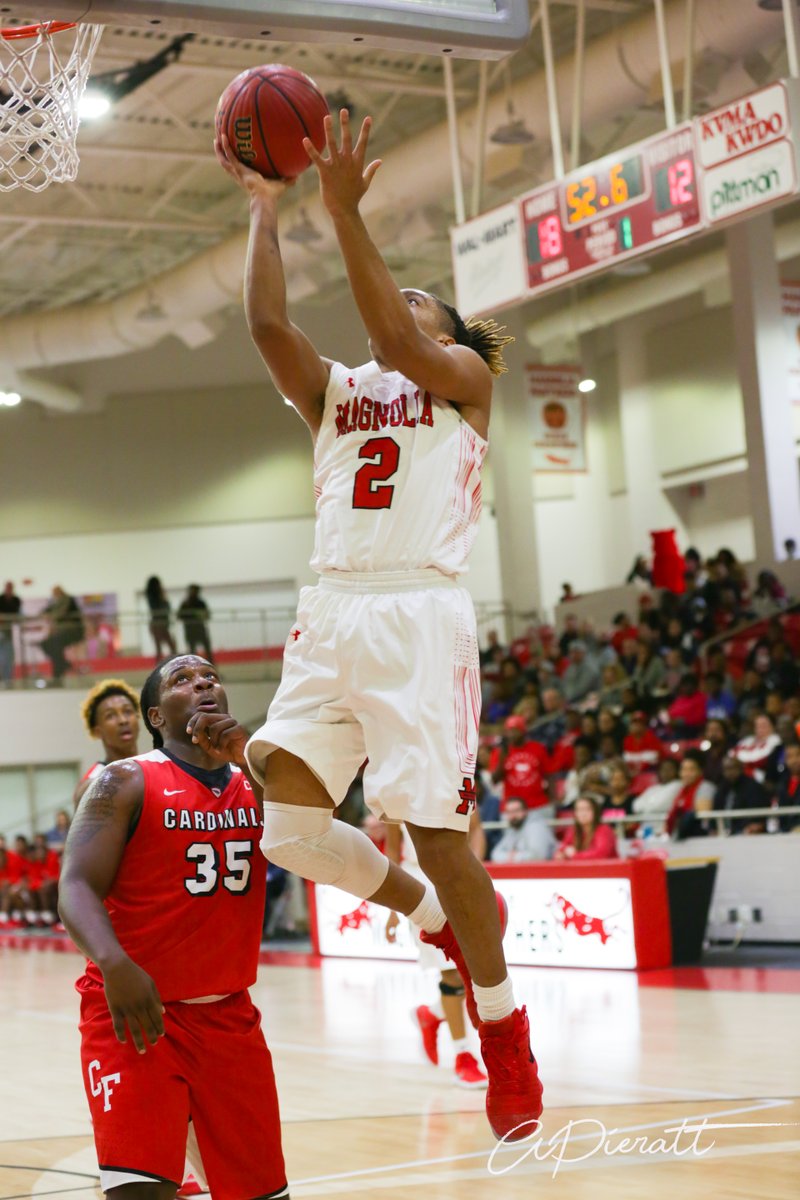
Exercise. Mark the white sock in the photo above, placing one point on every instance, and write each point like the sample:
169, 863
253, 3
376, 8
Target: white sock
494, 1003
460, 1046
3, 918
429, 914
437, 1009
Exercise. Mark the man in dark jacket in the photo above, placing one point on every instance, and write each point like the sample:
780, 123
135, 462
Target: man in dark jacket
738, 791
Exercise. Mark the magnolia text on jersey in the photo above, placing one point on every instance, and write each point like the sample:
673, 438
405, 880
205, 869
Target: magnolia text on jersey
194, 818
368, 414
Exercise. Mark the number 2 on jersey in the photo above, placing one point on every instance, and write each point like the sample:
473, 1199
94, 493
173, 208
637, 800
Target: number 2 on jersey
385, 453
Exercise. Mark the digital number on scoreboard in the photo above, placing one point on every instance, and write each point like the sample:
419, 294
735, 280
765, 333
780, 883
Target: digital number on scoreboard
617, 208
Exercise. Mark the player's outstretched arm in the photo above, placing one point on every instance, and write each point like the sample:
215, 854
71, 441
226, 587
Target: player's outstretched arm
297, 370
93, 852
451, 372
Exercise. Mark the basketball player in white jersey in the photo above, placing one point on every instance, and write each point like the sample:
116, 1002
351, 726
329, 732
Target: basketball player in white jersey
382, 662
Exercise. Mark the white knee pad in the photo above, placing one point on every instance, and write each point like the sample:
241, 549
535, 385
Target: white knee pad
308, 842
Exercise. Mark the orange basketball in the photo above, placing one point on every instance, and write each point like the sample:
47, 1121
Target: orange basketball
266, 112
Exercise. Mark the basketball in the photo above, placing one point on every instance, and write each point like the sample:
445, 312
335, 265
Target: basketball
265, 113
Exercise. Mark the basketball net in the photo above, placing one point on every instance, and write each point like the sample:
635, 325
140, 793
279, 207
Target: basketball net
43, 73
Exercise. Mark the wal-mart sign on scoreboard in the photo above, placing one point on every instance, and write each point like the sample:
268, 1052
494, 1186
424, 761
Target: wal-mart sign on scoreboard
681, 183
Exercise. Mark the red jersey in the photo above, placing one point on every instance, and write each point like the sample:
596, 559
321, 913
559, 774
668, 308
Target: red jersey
40, 872
187, 903
525, 769
642, 753
13, 869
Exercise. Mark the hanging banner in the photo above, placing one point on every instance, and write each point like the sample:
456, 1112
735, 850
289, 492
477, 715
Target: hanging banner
790, 305
747, 153
558, 411
488, 262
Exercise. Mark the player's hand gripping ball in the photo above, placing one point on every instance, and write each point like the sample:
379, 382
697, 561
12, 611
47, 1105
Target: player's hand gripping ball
265, 113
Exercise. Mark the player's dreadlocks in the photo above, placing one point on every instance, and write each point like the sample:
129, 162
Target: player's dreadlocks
483, 335
100, 692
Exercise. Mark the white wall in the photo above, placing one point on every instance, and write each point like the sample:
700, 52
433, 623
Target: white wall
46, 727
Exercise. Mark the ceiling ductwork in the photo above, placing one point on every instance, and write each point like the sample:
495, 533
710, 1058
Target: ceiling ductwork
415, 174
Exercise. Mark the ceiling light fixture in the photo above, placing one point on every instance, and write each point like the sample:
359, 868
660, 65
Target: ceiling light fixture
94, 104
304, 231
10, 399
587, 385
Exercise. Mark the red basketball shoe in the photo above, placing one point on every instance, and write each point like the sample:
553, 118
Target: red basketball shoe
429, 1028
468, 1073
445, 940
514, 1099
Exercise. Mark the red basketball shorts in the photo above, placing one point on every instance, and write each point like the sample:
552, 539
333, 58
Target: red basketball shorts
212, 1067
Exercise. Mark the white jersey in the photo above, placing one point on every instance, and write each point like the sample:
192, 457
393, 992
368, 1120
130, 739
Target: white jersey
396, 476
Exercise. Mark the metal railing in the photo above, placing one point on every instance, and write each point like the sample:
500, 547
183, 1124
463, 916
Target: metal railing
124, 641
719, 817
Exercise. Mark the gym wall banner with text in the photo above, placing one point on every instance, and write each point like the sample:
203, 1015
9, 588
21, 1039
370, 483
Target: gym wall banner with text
558, 414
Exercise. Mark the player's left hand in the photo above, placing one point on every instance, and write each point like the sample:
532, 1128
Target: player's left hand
343, 178
220, 735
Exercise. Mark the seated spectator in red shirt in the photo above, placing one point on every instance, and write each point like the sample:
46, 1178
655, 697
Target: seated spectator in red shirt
759, 752
43, 872
588, 838
687, 713
695, 797
524, 765
641, 749
623, 630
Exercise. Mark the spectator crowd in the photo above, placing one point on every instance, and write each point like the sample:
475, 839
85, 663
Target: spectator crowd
660, 717
29, 877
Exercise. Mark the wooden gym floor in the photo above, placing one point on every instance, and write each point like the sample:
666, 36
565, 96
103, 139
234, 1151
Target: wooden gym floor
365, 1115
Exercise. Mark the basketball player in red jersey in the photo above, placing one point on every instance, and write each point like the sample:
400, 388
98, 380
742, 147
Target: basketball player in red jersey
383, 659
163, 889
110, 713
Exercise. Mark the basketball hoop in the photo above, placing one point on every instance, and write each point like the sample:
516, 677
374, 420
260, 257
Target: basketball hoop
43, 73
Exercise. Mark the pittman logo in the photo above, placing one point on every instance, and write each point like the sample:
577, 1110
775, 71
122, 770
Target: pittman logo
732, 194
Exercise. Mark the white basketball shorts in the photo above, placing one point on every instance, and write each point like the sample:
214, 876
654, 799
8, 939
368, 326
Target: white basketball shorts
384, 668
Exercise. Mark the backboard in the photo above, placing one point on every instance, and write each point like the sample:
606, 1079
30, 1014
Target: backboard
463, 28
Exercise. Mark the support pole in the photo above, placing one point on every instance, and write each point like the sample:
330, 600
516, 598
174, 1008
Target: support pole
688, 63
552, 94
666, 71
480, 137
577, 87
455, 156
791, 22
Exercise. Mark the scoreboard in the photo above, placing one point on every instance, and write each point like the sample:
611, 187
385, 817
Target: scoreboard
619, 207
718, 168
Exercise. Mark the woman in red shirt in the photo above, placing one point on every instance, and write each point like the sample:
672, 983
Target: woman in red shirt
588, 838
